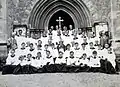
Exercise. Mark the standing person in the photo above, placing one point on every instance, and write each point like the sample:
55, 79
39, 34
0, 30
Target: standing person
12, 41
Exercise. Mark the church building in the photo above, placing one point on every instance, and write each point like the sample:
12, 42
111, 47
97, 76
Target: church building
40, 15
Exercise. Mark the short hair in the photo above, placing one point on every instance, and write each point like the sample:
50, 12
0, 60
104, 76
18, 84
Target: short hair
38, 52
48, 51
23, 43
76, 43
84, 54
71, 52
39, 40
68, 45
13, 50
60, 52
46, 45
29, 54
94, 52
31, 44
20, 30
91, 43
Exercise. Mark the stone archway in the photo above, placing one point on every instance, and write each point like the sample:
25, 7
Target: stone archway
45, 9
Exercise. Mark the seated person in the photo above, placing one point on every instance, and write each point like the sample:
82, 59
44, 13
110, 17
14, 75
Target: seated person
15, 46
107, 46
108, 68
11, 62
46, 47
20, 33
49, 42
11, 58
77, 46
61, 46
54, 53
85, 41
111, 56
68, 50
50, 37
95, 60
100, 47
31, 47
60, 59
49, 58
39, 45
37, 62
83, 46
68, 47
23, 46
83, 61
91, 46
26, 60
96, 43
71, 60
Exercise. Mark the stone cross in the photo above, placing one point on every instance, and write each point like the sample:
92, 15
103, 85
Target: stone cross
60, 21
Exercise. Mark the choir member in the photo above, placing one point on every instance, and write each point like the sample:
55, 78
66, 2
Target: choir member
71, 60
50, 30
31, 47
44, 33
77, 46
23, 46
37, 62
96, 43
49, 58
20, 33
60, 59
61, 46
11, 63
95, 62
91, 46
39, 45
75, 35
79, 31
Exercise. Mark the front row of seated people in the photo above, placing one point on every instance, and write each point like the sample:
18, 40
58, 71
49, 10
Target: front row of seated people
74, 49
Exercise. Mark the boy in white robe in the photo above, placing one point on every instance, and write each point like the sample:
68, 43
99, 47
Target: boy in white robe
95, 60
12, 58
71, 59
48, 58
83, 61
37, 62
77, 50
60, 59
32, 49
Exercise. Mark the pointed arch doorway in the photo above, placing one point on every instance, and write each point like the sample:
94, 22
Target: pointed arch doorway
67, 20
45, 10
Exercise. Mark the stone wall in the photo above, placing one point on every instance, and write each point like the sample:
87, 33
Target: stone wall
19, 10
3, 30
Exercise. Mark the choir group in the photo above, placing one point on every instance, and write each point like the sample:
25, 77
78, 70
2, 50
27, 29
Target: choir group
72, 50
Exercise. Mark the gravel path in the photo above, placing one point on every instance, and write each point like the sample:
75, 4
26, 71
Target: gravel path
61, 80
